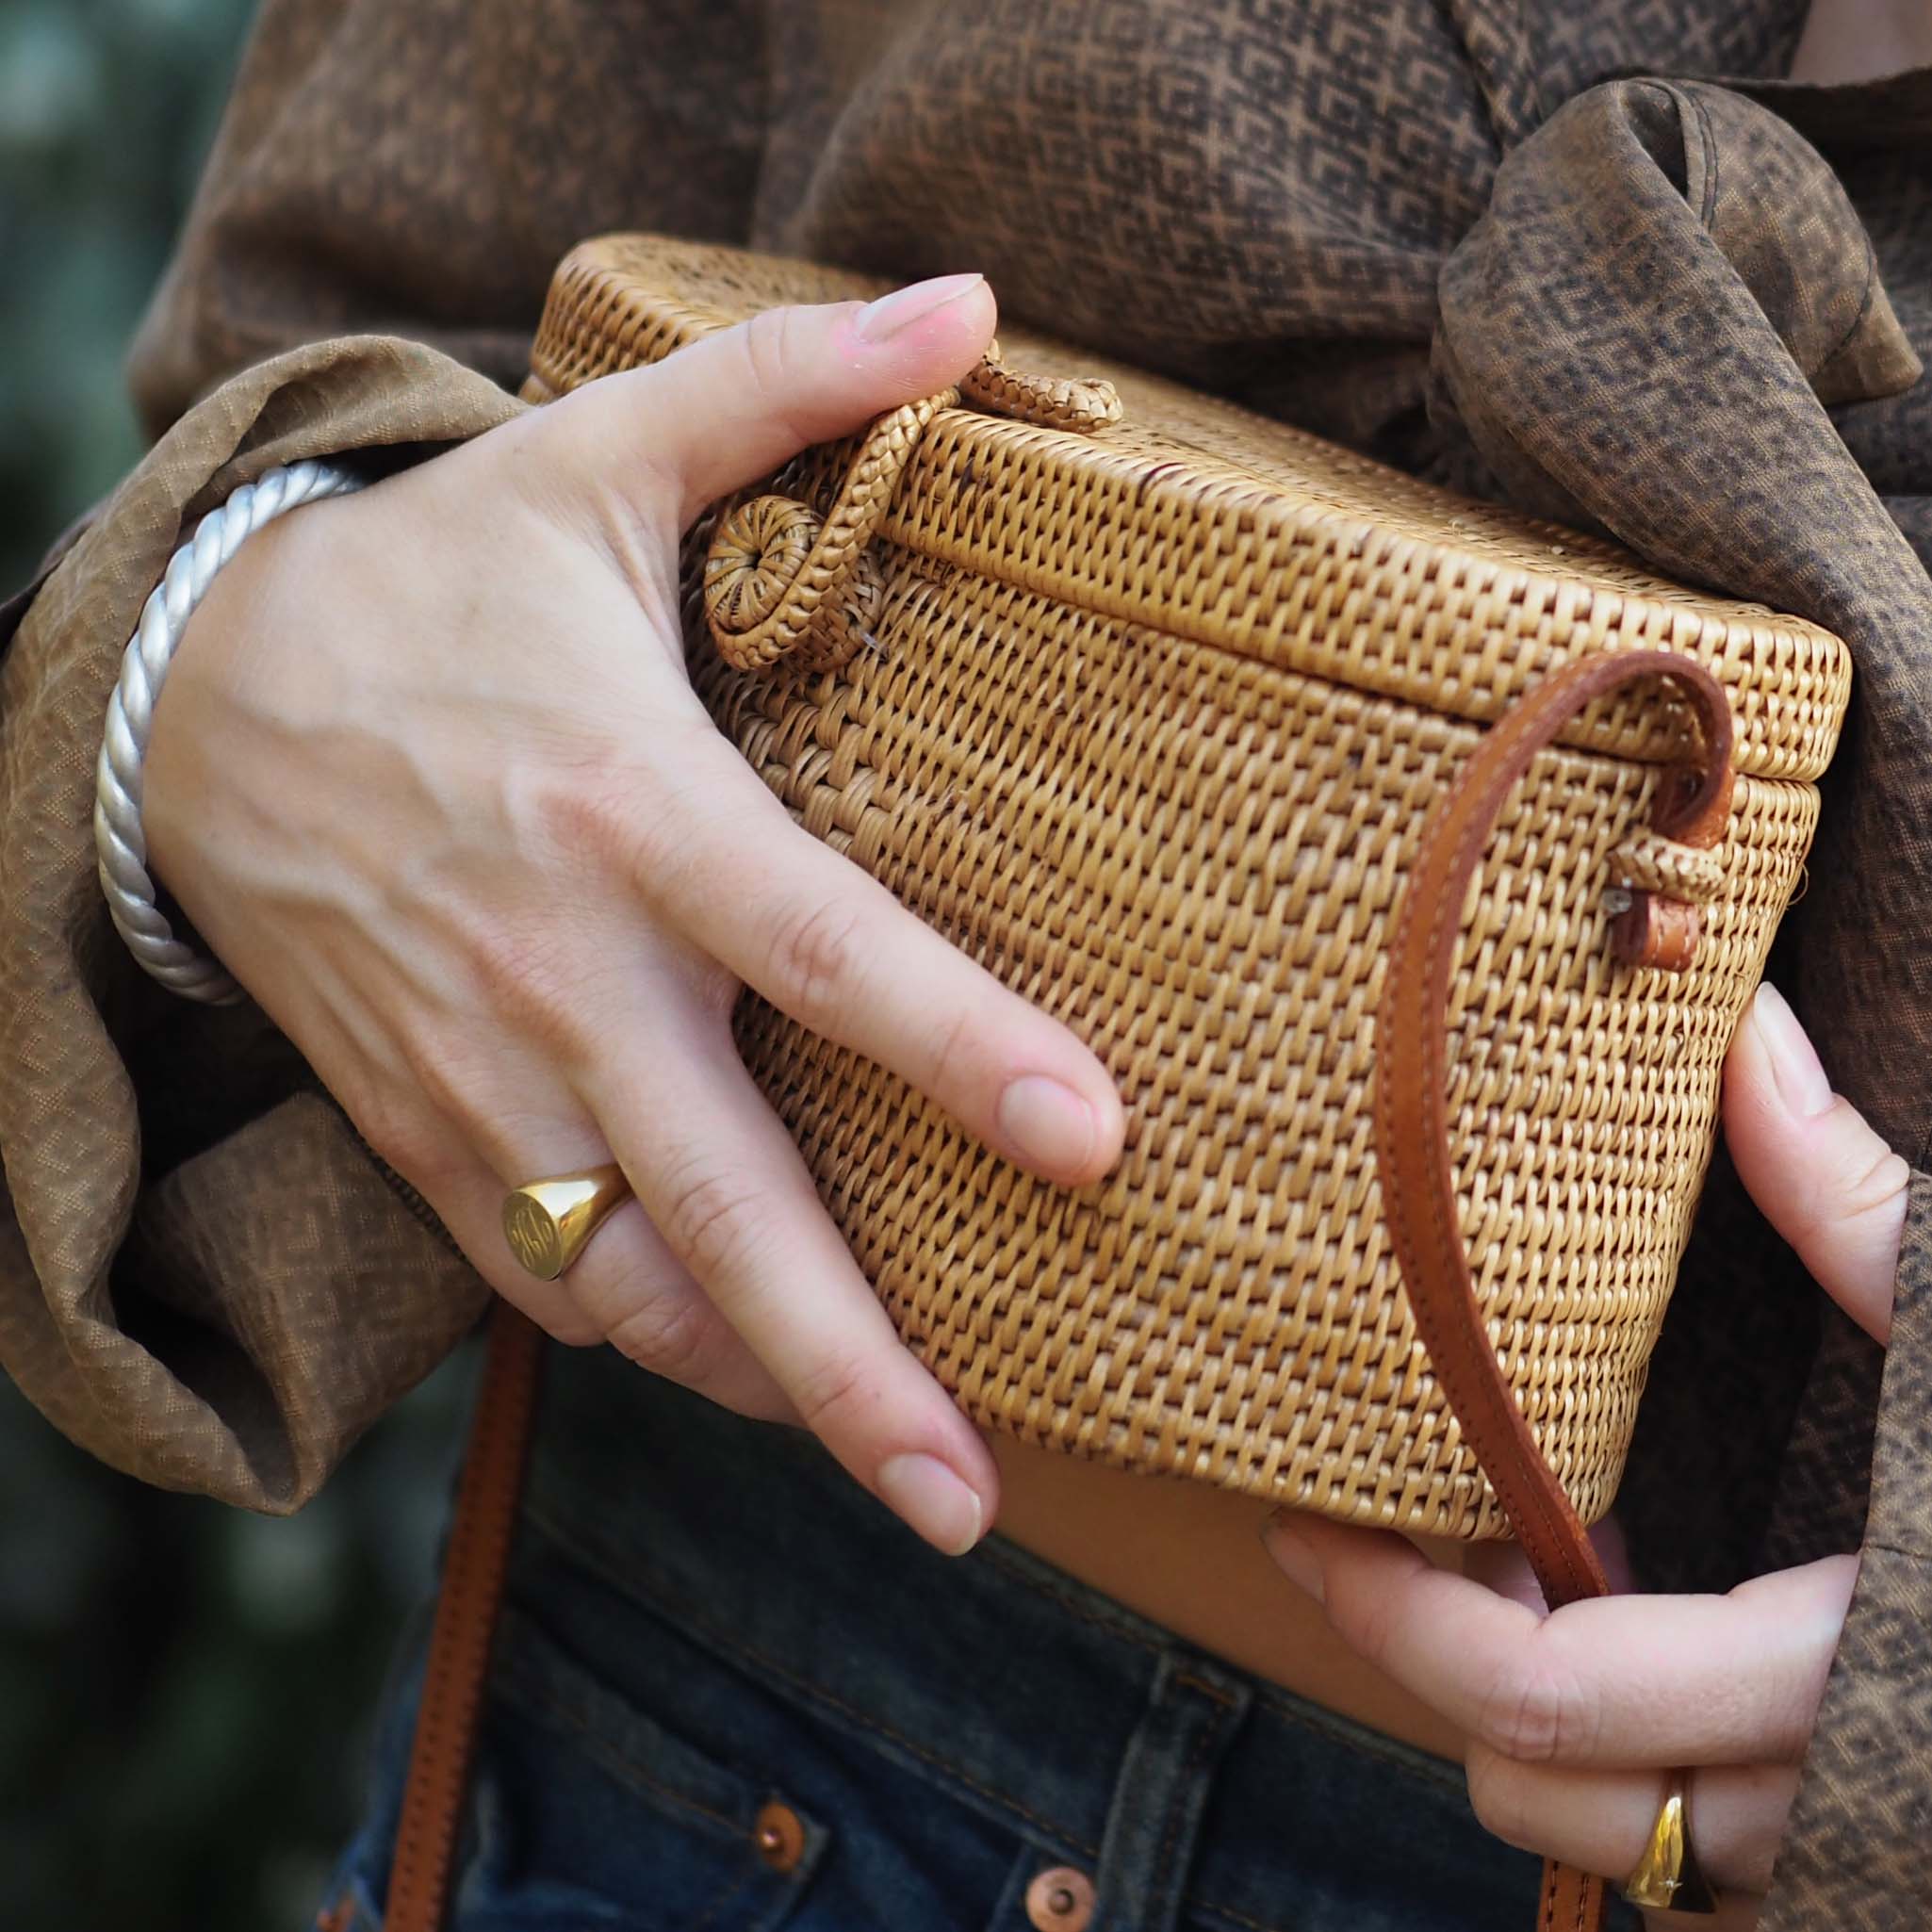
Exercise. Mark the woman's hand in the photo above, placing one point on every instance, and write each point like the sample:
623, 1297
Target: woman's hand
1574, 1719
430, 780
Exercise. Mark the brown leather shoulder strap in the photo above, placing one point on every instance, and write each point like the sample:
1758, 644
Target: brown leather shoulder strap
474, 1569
1411, 1110
1572, 1901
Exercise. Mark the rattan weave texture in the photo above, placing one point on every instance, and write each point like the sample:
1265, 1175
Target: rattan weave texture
1145, 717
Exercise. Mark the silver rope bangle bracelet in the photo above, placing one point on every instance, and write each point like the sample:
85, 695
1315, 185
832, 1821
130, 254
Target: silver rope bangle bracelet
118, 836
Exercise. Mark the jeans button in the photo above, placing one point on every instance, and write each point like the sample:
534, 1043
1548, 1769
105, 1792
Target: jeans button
778, 1836
1059, 1900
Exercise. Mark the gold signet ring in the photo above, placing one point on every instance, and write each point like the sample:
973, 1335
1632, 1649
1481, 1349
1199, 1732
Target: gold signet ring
1668, 1877
547, 1223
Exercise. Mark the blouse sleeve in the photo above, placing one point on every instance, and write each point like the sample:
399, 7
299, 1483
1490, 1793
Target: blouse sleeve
203, 1279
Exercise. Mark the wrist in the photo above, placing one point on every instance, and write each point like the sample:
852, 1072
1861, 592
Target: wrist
120, 828
203, 716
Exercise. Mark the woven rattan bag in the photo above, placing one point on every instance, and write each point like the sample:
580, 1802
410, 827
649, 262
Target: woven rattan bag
1408, 894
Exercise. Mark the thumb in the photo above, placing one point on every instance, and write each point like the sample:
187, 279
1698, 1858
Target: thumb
1808, 1157
733, 406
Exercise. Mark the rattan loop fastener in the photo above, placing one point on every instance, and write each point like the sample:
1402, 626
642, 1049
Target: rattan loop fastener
1085, 403
779, 580
1668, 872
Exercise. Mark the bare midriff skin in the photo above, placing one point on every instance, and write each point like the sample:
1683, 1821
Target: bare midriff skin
1189, 1558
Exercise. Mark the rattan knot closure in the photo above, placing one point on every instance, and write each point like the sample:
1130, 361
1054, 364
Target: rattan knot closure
779, 580
777, 575
759, 551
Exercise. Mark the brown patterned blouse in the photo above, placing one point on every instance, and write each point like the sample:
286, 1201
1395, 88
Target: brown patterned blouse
1475, 237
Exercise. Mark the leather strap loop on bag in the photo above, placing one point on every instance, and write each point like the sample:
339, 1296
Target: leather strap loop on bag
1411, 1111
474, 1569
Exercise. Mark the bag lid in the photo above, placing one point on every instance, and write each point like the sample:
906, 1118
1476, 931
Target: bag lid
1209, 522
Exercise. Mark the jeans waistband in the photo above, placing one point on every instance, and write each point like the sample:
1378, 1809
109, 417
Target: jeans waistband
1022, 1692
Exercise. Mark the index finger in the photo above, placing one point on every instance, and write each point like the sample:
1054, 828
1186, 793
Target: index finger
827, 944
1616, 1682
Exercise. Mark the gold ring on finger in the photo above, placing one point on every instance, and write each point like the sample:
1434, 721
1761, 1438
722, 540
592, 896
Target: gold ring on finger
1668, 1877
548, 1222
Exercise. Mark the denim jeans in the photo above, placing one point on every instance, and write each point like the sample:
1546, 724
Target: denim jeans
710, 1628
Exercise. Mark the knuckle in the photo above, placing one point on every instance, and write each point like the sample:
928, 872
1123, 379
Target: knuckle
568, 1325
522, 968
1498, 1795
815, 959
402, 1134
1536, 1712
838, 1395
535, 982
671, 1334
443, 1070
1871, 1180
618, 819
1859, 1189
711, 1215
771, 365
589, 814
953, 1051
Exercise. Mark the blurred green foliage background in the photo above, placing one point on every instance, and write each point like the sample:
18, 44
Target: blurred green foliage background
185, 1690
106, 110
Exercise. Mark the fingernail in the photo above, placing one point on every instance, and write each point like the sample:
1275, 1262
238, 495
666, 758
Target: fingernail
1293, 1553
1047, 1122
1802, 1082
878, 321
944, 1510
